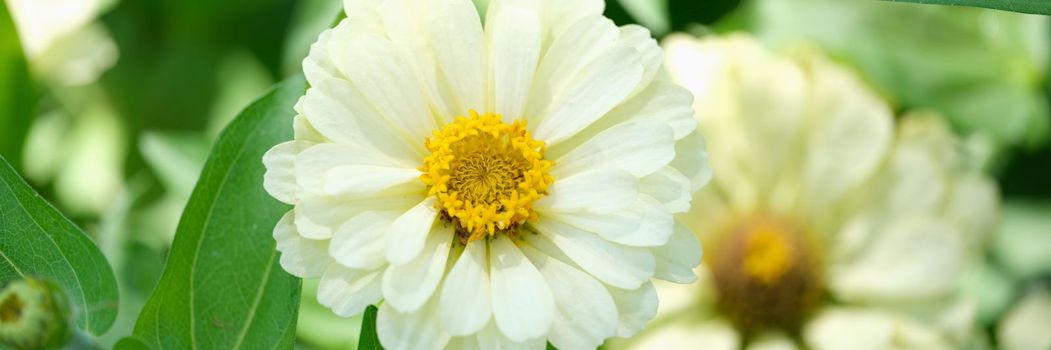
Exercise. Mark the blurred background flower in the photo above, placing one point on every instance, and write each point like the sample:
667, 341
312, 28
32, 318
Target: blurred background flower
827, 227
111, 107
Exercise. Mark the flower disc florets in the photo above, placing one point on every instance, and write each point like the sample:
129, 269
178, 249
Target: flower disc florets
485, 174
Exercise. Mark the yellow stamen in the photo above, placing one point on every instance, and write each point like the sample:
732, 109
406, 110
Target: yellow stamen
767, 253
485, 174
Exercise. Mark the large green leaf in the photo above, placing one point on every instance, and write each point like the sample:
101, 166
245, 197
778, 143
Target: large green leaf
36, 240
222, 286
1040, 7
17, 95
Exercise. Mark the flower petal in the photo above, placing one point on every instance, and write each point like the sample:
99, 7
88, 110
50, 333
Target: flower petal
670, 187
455, 28
491, 338
406, 236
676, 259
465, 303
514, 48
709, 335
359, 180
912, 259
301, 257
640, 147
585, 313
845, 328
691, 159
280, 178
416, 330
646, 223
319, 217
592, 92
636, 307
329, 169
407, 287
359, 243
597, 190
340, 112
614, 264
348, 292
523, 306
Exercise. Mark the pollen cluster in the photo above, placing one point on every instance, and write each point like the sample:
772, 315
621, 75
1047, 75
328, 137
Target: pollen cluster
486, 174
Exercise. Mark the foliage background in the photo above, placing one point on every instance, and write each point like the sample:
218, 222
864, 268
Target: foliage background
120, 156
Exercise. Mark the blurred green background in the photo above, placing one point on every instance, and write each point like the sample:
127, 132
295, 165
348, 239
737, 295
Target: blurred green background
113, 112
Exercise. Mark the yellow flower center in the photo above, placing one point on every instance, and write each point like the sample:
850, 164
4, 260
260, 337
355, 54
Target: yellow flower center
767, 253
767, 274
485, 174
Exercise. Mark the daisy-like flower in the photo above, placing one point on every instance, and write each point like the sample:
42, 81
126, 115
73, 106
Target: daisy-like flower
828, 226
489, 184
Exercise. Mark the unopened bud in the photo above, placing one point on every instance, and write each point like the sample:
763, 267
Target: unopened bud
34, 314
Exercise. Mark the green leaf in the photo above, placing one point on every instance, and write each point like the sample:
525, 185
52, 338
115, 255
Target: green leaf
369, 340
222, 286
17, 94
36, 240
1040, 7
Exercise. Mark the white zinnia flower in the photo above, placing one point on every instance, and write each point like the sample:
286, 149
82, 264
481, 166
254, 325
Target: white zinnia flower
825, 225
540, 217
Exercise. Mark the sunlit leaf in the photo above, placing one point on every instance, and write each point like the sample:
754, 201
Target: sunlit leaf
16, 91
222, 286
1041, 7
36, 240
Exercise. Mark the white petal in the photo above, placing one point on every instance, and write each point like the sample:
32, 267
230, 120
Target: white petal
597, 190
280, 178
341, 113
405, 237
640, 148
772, 341
843, 328
360, 242
912, 259
636, 307
586, 314
709, 335
329, 169
465, 303
407, 287
411, 331
650, 53
670, 187
490, 338
301, 257
1025, 325
601, 85
455, 31
646, 223
523, 306
676, 259
691, 159
856, 128
348, 292
320, 217
617, 265
660, 101
514, 48
581, 43
382, 75
302, 130
368, 179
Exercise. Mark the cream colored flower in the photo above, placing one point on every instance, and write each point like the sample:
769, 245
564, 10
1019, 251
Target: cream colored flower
826, 223
62, 40
490, 184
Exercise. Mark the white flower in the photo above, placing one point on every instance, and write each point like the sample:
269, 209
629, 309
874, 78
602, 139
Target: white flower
1025, 325
825, 223
62, 40
497, 184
